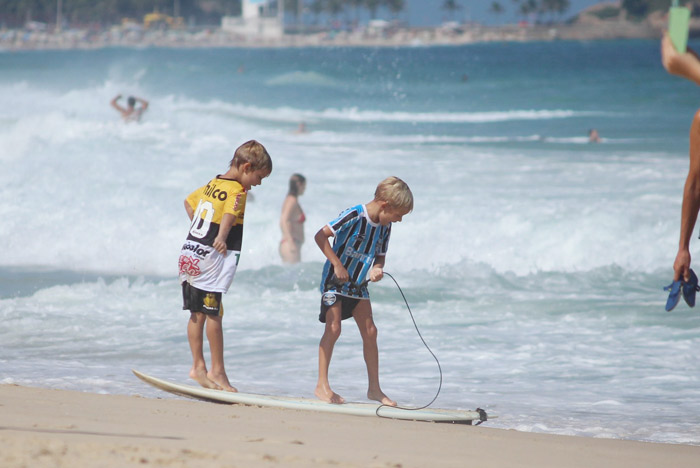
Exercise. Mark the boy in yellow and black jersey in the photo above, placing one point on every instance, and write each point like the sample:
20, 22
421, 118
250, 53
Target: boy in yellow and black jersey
209, 257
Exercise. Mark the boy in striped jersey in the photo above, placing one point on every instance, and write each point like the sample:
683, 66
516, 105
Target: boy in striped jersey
361, 237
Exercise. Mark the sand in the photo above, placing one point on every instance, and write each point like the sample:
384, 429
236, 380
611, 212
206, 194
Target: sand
57, 428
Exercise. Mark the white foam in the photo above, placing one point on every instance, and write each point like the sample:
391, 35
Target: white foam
102, 180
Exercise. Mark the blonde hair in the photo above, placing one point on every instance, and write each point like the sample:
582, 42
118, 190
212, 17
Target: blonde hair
254, 153
396, 193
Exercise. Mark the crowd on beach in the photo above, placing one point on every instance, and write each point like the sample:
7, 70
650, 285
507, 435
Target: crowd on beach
95, 38
42, 37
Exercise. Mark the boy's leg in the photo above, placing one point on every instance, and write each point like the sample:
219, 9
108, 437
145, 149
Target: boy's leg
195, 336
215, 335
368, 331
325, 352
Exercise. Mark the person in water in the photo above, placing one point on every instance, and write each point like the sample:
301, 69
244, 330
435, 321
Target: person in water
593, 136
301, 128
361, 238
130, 113
686, 65
292, 221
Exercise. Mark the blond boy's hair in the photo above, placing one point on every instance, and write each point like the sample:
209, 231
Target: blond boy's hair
254, 153
396, 193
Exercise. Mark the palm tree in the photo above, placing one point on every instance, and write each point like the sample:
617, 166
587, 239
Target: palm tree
355, 5
451, 7
554, 7
334, 7
527, 7
373, 6
316, 7
395, 6
295, 7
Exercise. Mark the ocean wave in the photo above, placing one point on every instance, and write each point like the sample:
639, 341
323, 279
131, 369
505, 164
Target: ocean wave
74, 101
355, 114
302, 78
322, 137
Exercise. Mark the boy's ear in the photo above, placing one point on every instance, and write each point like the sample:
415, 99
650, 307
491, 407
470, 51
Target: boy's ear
246, 167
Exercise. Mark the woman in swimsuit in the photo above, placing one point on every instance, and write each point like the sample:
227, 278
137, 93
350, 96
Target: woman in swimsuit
292, 221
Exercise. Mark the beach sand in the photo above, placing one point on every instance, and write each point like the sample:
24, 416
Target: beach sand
58, 428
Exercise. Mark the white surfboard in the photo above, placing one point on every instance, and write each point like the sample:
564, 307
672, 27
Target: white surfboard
357, 409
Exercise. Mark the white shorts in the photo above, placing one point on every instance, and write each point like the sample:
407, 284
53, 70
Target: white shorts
205, 268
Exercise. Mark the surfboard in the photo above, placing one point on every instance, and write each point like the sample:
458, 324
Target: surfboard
306, 404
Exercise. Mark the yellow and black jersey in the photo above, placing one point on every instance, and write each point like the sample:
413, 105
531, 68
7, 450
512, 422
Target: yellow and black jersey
210, 203
201, 265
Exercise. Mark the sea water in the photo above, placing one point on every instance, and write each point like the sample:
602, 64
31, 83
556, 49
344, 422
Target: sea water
533, 260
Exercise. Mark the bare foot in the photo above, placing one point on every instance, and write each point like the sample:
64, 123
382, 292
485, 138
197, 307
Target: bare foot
328, 395
381, 398
222, 381
200, 376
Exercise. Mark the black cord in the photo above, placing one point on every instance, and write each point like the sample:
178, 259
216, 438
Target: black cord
426, 347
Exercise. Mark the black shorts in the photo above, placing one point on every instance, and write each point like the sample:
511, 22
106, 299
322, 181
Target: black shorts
197, 300
347, 305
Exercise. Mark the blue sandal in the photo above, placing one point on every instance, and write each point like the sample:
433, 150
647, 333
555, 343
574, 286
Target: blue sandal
690, 288
674, 295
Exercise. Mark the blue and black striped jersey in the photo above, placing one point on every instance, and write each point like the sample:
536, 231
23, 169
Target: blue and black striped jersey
358, 241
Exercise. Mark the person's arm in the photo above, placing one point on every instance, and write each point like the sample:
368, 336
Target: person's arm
686, 65
116, 105
219, 243
190, 211
143, 102
285, 218
321, 239
691, 204
377, 271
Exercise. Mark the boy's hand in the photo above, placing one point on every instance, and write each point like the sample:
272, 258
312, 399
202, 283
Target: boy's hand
341, 273
376, 273
220, 246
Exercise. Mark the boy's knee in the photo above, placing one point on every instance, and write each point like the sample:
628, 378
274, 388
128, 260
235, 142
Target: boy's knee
371, 332
333, 329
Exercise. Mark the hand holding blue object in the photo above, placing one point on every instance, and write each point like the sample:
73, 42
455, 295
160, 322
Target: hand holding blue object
690, 288
687, 288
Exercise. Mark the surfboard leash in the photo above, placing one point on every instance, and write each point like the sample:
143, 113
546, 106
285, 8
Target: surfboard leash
482, 414
426, 347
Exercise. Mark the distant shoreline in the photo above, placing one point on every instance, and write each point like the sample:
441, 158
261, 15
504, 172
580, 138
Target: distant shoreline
77, 39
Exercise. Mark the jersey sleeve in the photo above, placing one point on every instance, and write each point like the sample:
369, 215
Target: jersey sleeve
194, 197
344, 220
235, 205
